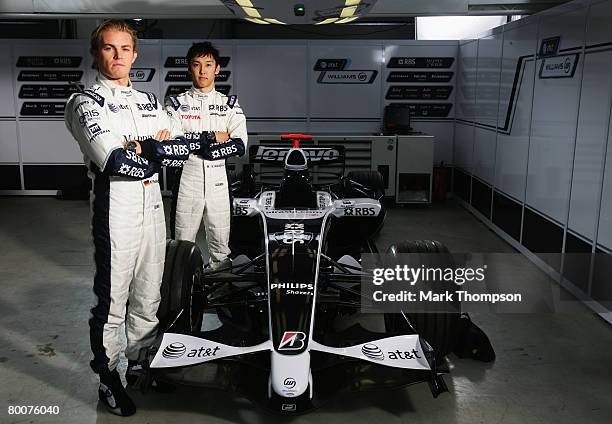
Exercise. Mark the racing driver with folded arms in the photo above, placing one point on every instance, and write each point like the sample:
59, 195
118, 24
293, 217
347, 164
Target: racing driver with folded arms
203, 194
117, 129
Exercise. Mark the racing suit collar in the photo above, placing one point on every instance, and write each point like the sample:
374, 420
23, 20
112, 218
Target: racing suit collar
201, 96
117, 90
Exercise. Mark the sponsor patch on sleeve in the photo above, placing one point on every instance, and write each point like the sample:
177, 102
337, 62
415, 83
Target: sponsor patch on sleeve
95, 96
152, 99
231, 100
174, 102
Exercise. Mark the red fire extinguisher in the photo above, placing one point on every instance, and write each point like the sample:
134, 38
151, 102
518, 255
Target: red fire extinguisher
440, 179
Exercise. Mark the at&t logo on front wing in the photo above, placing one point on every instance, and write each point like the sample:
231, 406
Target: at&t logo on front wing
174, 350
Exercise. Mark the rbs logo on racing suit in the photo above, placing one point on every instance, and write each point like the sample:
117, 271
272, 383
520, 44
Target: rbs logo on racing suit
176, 150
146, 106
224, 151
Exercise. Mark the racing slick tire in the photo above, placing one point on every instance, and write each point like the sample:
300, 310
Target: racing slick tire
241, 183
439, 329
371, 179
181, 288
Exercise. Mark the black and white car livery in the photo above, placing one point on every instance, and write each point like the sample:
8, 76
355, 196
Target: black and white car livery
282, 326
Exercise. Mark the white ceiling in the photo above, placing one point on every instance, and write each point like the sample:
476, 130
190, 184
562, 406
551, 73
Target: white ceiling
214, 9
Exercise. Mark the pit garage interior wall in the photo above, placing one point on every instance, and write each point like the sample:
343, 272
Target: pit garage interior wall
532, 151
311, 86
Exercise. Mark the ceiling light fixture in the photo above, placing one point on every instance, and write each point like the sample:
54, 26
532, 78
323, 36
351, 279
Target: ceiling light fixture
300, 12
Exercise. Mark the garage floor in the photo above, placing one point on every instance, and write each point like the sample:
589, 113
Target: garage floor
550, 368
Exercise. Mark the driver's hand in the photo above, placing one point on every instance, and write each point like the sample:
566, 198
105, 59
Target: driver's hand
162, 135
221, 137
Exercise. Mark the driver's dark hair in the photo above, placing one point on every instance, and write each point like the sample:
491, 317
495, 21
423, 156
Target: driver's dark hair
202, 50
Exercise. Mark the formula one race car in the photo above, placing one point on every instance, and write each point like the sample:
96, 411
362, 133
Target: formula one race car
282, 325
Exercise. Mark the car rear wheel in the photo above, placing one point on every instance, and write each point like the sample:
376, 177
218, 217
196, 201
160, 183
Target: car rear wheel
371, 179
439, 329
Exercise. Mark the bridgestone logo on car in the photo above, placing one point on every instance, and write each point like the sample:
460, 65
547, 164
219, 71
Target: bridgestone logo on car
373, 352
174, 351
292, 340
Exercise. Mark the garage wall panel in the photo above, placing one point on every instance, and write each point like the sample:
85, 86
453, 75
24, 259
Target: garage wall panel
48, 142
553, 139
425, 82
465, 105
595, 101
604, 234
426, 76
487, 102
517, 78
45, 74
10, 177
466, 80
598, 29
464, 132
349, 93
271, 86
9, 149
174, 77
554, 115
7, 105
599, 37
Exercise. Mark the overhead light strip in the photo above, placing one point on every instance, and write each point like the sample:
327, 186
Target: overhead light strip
347, 12
252, 12
347, 20
257, 21
327, 21
274, 21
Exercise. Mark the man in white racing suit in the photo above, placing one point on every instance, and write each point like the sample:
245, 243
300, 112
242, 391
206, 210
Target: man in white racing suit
117, 129
203, 194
